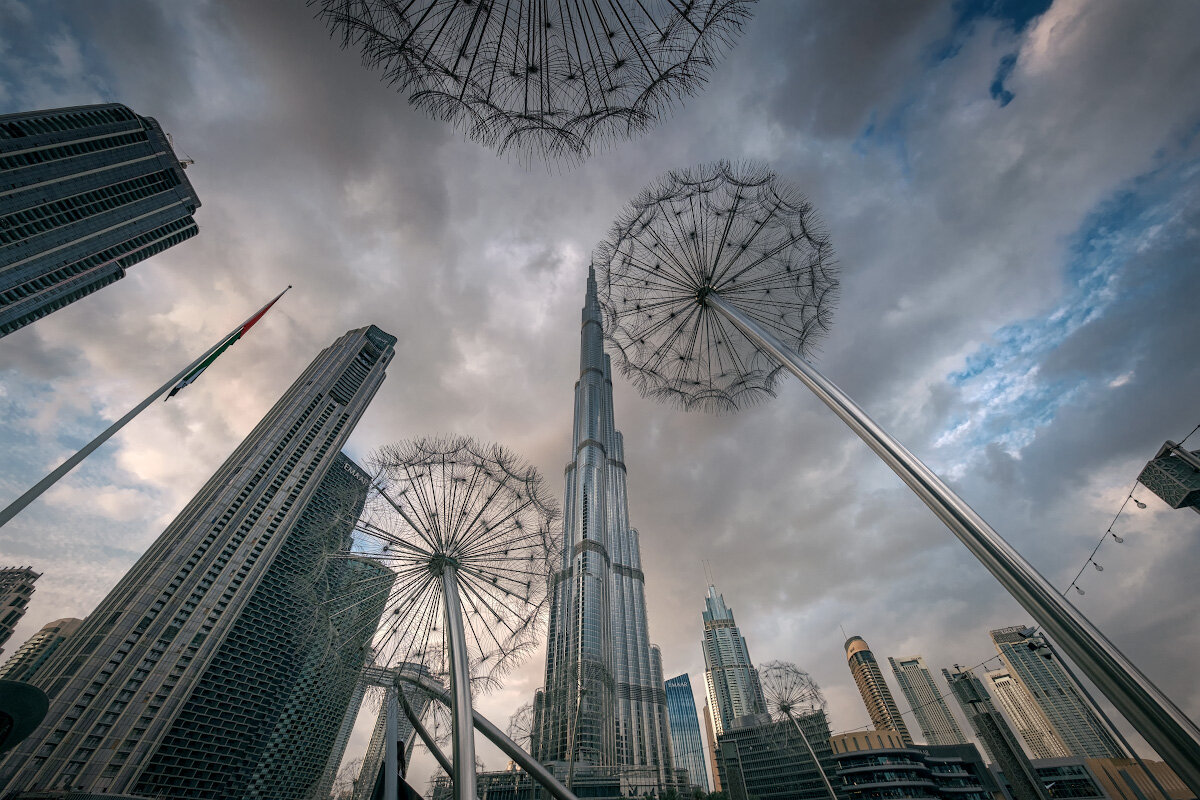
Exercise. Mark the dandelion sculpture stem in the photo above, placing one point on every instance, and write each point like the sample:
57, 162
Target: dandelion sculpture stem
466, 529
789, 691
718, 278
536, 78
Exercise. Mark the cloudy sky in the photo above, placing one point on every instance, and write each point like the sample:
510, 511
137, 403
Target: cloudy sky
1013, 191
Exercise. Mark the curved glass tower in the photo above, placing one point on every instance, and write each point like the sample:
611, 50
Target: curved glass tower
605, 703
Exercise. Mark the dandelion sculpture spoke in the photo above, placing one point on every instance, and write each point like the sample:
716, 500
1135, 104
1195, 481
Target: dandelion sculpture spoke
791, 693
537, 78
715, 279
466, 528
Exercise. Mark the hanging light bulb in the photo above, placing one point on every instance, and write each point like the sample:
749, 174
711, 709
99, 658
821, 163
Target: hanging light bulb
1081, 591
1138, 503
1119, 539
1098, 567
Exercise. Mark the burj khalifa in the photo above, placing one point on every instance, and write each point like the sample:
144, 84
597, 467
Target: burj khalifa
604, 703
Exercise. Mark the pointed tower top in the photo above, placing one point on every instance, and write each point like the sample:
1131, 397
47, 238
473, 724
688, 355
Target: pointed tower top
591, 306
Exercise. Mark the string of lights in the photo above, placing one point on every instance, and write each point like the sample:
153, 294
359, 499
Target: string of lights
1091, 559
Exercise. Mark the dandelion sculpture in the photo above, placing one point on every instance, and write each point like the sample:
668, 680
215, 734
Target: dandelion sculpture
717, 278
537, 78
791, 693
466, 528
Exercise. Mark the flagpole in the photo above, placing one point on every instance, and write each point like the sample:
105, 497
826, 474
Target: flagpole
18, 505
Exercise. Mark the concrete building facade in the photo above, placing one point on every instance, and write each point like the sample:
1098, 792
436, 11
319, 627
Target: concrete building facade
929, 708
85, 193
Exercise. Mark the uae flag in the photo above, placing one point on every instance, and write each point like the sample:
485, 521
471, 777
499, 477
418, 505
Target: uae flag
225, 344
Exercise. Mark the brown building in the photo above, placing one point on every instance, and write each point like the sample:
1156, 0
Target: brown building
885, 716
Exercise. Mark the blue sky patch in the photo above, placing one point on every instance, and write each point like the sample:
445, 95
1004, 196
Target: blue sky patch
1001, 383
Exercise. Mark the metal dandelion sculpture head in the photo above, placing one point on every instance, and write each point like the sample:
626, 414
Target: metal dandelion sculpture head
540, 78
790, 691
455, 506
694, 238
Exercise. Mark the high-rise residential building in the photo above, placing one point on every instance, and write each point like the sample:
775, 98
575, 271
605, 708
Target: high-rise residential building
85, 193
928, 707
730, 680
997, 738
605, 703
149, 696
1031, 662
16, 587
1035, 730
687, 747
876, 695
759, 758
30, 656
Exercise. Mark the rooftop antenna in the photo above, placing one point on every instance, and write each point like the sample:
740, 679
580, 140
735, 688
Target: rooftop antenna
184, 162
844, 636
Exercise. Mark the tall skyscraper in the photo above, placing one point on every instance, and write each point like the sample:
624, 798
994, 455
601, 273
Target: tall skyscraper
730, 679
997, 738
30, 656
930, 710
687, 747
16, 587
147, 696
85, 193
605, 703
1035, 730
874, 690
1052, 689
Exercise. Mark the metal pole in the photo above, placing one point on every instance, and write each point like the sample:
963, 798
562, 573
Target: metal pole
817, 761
429, 741
460, 687
1168, 730
34, 492
498, 738
391, 760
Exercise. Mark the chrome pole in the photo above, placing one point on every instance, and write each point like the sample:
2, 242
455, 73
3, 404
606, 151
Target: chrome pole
463, 773
1168, 730
429, 741
391, 756
498, 738
817, 761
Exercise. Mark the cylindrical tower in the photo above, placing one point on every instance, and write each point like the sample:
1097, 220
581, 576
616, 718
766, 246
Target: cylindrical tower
875, 693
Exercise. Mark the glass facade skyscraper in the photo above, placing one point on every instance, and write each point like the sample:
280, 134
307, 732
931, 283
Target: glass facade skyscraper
166, 687
730, 679
930, 710
604, 701
85, 193
686, 744
1052, 689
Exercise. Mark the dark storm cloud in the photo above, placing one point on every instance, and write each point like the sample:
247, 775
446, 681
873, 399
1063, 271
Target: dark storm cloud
957, 223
